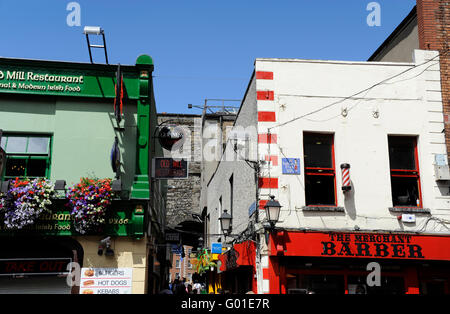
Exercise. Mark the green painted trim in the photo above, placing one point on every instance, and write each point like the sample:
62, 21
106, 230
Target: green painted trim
32, 77
29, 156
141, 185
122, 220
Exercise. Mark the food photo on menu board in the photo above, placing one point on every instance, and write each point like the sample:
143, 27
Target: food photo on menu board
106, 281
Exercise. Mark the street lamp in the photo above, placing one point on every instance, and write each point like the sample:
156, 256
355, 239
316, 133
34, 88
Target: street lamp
225, 222
272, 209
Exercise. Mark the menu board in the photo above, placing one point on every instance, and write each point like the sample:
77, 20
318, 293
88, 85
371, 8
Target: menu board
106, 280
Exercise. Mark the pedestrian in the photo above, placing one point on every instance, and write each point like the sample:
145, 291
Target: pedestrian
189, 289
197, 286
166, 290
174, 285
180, 288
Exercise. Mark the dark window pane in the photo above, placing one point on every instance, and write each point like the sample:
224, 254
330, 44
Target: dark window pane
36, 168
389, 285
402, 152
318, 150
320, 284
405, 191
319, 190
15, 167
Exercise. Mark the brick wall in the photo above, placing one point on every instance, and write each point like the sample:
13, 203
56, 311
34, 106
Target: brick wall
434, 25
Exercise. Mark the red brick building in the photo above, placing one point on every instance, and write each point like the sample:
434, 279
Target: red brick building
182, 267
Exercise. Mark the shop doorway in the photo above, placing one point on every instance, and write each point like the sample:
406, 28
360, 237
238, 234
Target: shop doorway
38, 265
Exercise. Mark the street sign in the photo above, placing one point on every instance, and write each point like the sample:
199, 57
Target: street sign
216, 248
172, 237
291, 165
169, 168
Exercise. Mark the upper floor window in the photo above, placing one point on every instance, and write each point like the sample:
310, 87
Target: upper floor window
404, 168
320, 174
26, 156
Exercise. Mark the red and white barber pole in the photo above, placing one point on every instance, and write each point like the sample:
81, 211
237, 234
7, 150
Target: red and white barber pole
345, 177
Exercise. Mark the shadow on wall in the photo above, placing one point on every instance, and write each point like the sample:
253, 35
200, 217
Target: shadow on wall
27, 104
127, 148
349, 202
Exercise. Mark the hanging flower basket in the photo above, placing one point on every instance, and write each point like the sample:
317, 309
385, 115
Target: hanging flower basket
203, 262
89, 201
25, 201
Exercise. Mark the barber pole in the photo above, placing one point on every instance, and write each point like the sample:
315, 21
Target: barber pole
346, 177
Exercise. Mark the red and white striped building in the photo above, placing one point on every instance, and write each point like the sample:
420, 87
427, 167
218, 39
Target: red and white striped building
350, 150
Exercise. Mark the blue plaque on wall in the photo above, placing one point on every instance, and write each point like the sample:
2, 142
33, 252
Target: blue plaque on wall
216, 248
291, 165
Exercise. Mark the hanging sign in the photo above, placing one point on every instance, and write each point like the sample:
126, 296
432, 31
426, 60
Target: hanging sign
169, 168
118, 100
216, 248
106, 280
171, 137
291, 165
172, 237
115, 157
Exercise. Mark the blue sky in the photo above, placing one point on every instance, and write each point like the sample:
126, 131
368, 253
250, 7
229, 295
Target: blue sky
201, 48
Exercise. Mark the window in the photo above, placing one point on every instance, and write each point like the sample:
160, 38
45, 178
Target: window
404, 167
320, 174
177, 263
26, 156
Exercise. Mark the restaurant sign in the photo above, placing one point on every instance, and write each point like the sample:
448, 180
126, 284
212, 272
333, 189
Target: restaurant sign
124, 222
106, 280
34, 266
362, 245
61, 82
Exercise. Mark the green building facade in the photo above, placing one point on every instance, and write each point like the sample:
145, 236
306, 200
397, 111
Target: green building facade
58, 122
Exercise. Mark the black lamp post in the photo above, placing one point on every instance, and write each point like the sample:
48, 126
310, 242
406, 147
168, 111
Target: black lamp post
272, 209
225, 222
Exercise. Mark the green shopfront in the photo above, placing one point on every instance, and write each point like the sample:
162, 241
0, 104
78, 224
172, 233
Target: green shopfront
72, 137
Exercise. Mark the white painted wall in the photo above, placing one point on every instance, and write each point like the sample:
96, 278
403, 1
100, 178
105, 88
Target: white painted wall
409, 104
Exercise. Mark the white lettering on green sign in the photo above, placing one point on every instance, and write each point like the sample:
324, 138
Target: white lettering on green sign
29, 81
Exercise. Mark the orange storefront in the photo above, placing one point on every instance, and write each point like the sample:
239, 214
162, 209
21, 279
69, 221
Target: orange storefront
349, 263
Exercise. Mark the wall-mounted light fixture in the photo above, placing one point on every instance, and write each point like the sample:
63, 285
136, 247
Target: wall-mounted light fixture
105, 245
225, 222
272, 209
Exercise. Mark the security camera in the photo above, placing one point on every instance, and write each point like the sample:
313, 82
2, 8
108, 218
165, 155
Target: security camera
105, 243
